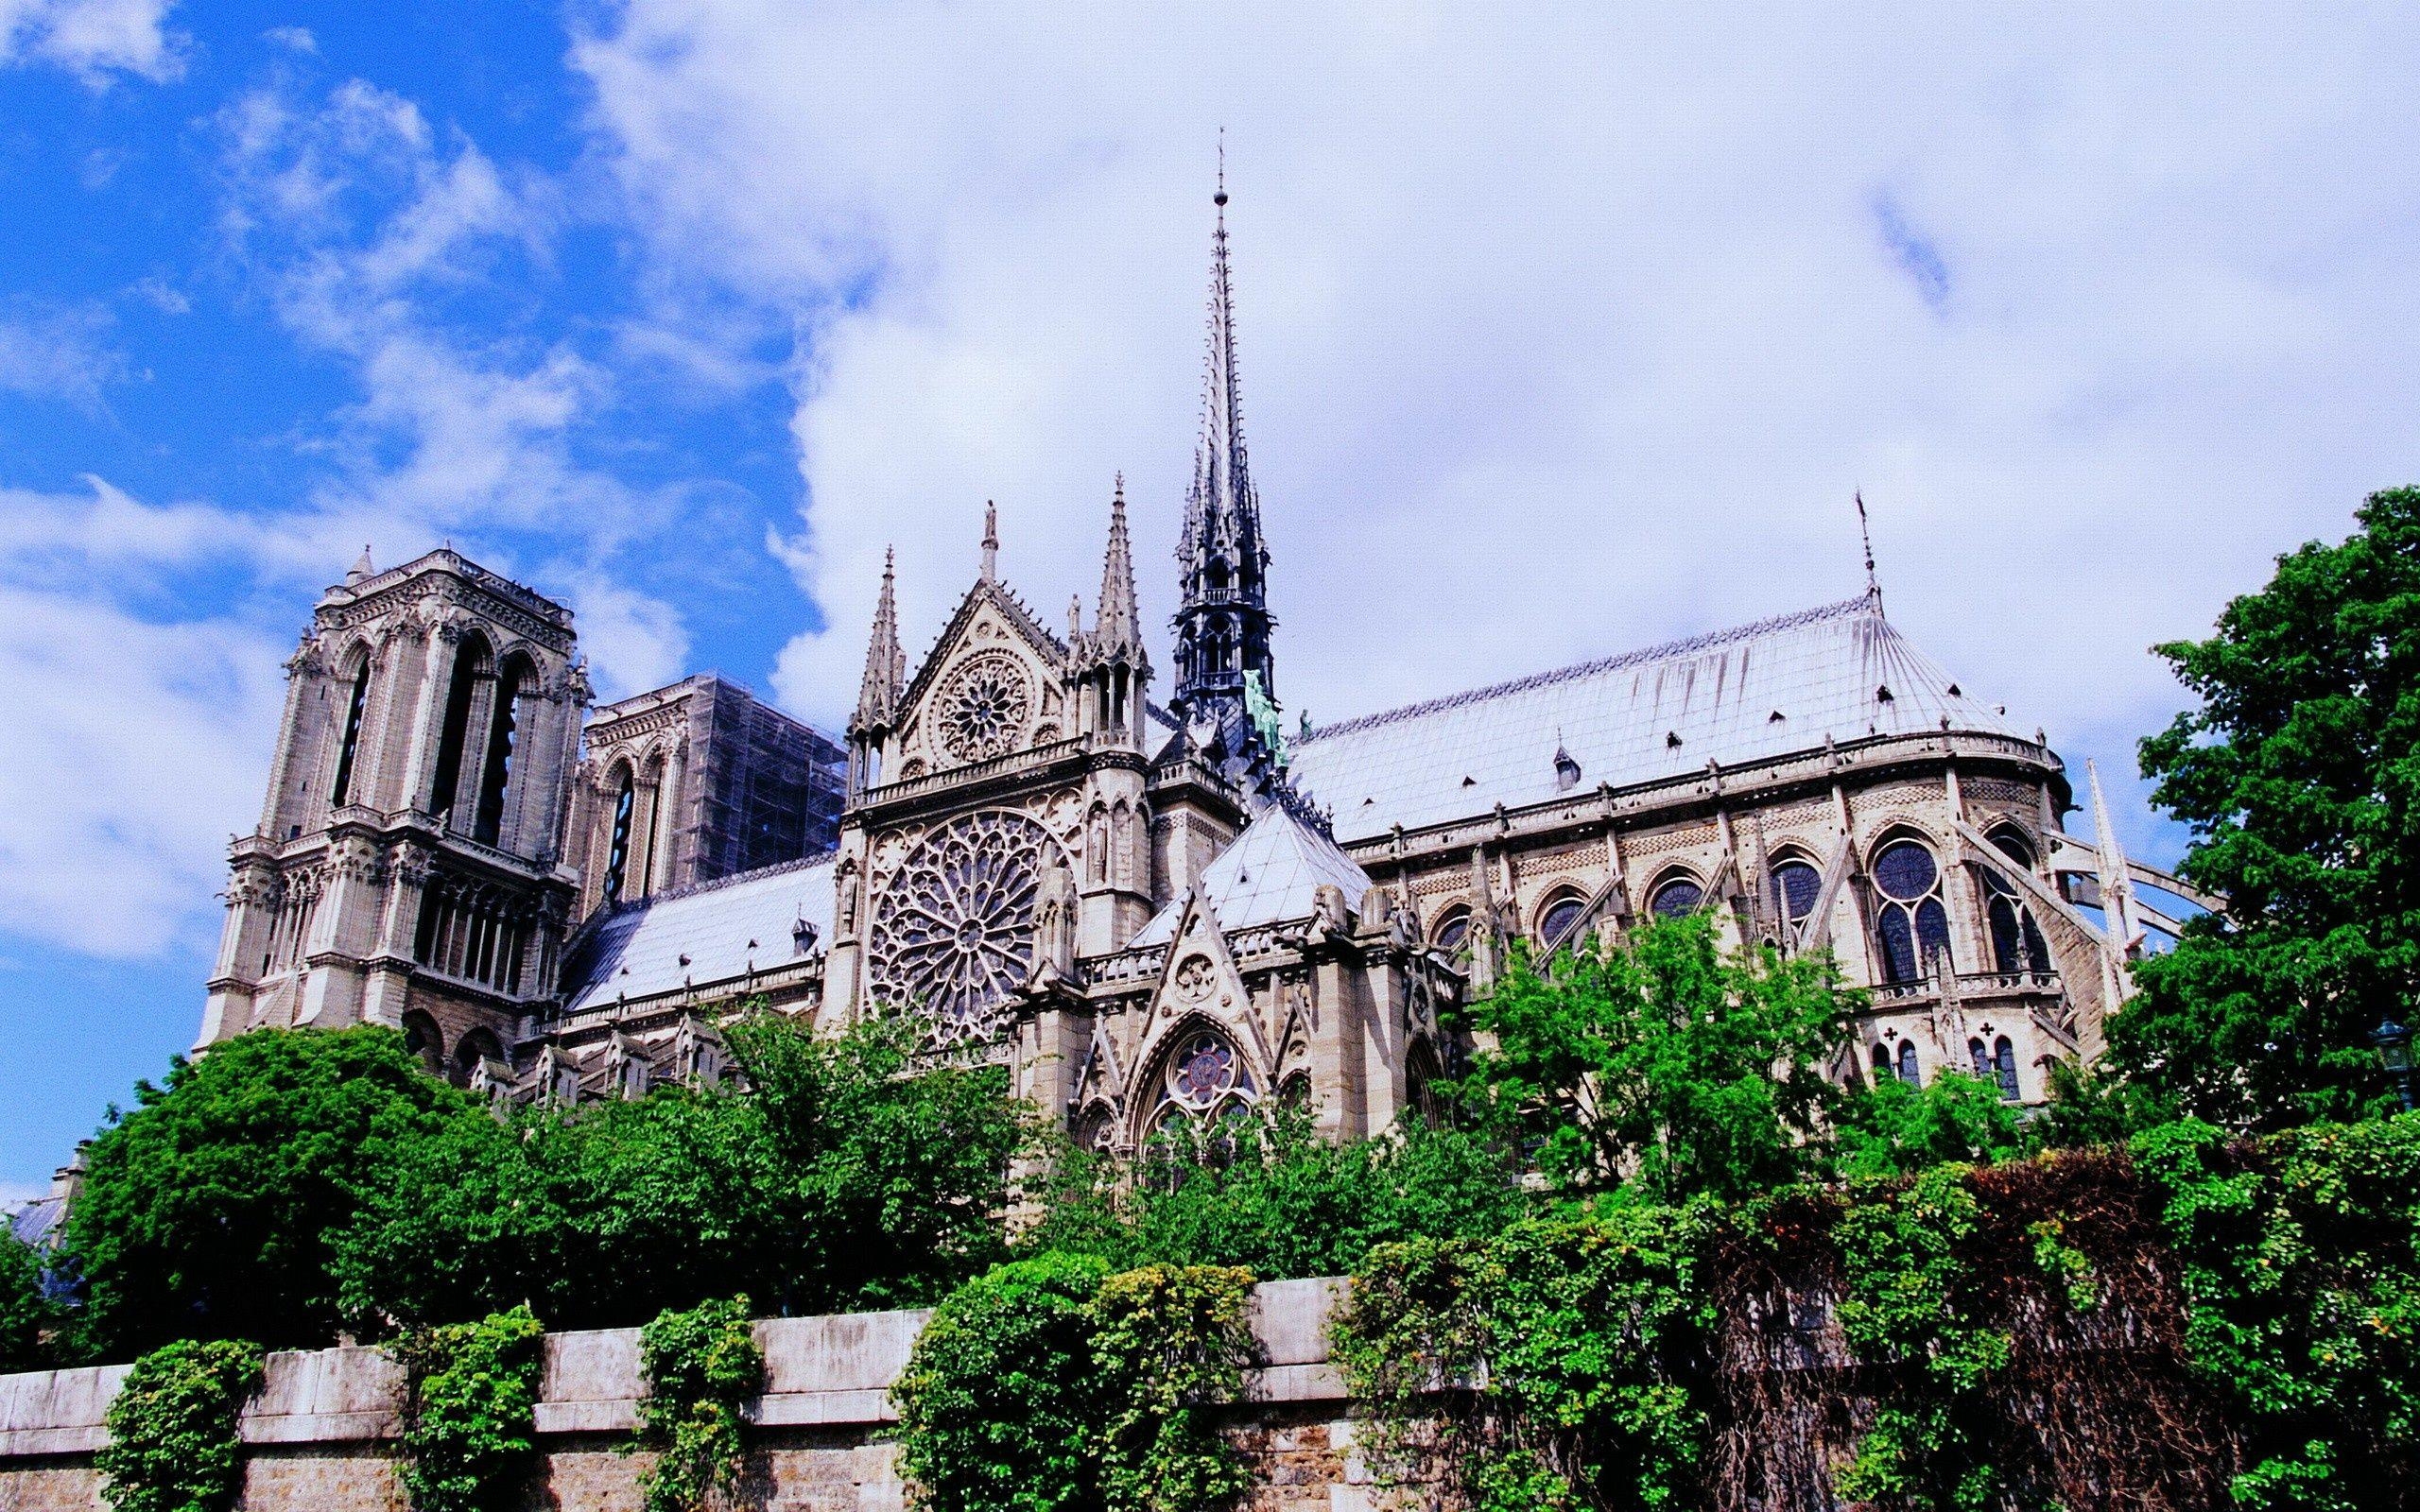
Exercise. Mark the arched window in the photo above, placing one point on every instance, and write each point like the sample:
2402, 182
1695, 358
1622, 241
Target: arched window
1914, 927
477, 1047
1454, 929
1096, 1131
469, 667
422, 1041
1559, 915
2004, 1067
2017, 944
1676, 898
342, 790
496, 776
1908, 1071
617, 850
1795, 884
1881, 1063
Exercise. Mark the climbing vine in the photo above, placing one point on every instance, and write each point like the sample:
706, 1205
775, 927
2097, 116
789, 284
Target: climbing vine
1550, 1367
2301, 1286
1052, 1385
702, 1366
1906, 1305
470, 1428
173, 1445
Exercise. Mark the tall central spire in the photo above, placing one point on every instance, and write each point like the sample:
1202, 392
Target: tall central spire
1222, 623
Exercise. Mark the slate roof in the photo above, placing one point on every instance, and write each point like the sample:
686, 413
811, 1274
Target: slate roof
721, 926
1759, 691
1267, 873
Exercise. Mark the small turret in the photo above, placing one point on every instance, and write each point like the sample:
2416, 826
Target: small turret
1108, 668
878, 695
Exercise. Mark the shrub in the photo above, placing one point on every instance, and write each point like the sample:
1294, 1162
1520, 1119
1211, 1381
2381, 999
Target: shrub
469, 1438
172, 1427
702, 1365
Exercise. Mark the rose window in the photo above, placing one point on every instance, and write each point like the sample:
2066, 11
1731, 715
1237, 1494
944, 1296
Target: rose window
1204, 1070
984, 706
953, 929
1194, 979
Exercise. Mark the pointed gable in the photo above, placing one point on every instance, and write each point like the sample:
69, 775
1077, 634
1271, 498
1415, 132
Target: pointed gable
1273, 872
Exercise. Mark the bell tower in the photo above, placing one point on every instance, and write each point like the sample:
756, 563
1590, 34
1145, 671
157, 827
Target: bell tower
406, 868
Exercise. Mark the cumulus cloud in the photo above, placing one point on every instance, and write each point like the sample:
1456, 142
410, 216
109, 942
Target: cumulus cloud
91, 39
1564, 336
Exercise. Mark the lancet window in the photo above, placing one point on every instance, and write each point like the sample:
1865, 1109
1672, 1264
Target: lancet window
1913, 927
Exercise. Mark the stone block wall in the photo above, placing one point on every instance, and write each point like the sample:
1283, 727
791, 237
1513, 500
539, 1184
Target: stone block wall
320, 1436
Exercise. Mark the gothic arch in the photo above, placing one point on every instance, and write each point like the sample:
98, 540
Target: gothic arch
1676, 892
357, 671
1186, 1077
1911, 904
1556, 913
476, 1046
1451, 931
425, 1041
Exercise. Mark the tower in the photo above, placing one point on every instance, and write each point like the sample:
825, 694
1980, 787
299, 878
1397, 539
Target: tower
406, 868
1222, 622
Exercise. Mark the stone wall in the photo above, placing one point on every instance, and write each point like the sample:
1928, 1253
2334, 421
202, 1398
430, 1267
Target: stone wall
320, 1436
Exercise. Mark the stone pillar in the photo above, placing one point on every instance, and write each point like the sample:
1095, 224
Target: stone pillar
419, 754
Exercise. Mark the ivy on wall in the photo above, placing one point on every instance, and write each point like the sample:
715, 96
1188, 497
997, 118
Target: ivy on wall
1053, 1386
172, 1426
470, 1427
702, 1366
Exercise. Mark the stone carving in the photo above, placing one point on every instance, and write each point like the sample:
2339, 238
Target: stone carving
953, 930
985, 705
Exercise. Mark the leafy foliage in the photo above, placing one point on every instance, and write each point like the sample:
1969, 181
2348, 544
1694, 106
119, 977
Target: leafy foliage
1052, 1385
2302, 1294
172, 1445
1170, 1343
2300, 777
1895, 1130
470, 1439
999, 1406
1655, 1063
702, 1365
30, 1315
1570, 1342
213, 1210
1907, 1304
1278, 1200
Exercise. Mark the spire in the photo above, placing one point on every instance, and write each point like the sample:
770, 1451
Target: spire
360, 569
1222, 623
2117, 887
1117, 625
1865, 534
878, 696
991, 541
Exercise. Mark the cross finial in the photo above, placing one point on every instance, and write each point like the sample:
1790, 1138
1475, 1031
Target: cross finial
1219, 198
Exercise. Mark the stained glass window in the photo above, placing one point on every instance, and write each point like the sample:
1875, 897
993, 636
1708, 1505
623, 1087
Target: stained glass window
953, 929
1913, 926
1795, 884
1559, 918
1680, 895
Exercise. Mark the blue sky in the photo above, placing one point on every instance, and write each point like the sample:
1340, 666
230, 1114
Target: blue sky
1557, 339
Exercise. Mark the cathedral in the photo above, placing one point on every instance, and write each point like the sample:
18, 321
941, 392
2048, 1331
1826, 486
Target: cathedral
1147, 907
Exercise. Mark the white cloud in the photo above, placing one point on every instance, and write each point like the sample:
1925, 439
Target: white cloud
1567, 335
91, 38
63, 354
141, 749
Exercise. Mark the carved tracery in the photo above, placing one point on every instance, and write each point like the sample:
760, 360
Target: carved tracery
953, 930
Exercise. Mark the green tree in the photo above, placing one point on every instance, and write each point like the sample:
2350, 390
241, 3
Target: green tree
2299, 778
28, 1316
897, 1175
1665, 1062
212, 1211
1895, 1130
1279, 1199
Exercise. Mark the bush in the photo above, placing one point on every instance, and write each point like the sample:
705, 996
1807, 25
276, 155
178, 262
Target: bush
172, 1427
470, 1439
702, 1366
999, 1405
1171, 1343
30, 1315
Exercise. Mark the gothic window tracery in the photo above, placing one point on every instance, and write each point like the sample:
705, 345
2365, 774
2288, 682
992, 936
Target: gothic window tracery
1795, 886
985, 705
1454, 930
1558, 917
342, 790
953, 929
617, 850
1913, 927
1995, 1063
2017, 944
1676, 898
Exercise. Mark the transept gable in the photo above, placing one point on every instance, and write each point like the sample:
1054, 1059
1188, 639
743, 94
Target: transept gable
1200, 987
991, 685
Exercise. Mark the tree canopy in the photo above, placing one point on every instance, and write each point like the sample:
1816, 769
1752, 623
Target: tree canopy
2299, 775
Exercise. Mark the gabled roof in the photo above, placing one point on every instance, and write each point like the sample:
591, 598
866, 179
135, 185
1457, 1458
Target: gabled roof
1269, 872
1761, 691
725, 928
986, 590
